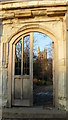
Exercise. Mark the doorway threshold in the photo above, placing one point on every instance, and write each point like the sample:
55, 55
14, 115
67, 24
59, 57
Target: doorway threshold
32, 112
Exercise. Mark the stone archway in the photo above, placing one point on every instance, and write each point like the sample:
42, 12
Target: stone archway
12, 41
44, 17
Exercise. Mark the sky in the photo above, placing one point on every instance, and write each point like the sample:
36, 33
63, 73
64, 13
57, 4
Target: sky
41, 40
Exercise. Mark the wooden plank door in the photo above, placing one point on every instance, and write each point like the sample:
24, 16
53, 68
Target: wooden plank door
22, 71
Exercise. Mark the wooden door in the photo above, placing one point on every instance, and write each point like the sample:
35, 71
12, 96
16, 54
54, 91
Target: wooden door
22, 71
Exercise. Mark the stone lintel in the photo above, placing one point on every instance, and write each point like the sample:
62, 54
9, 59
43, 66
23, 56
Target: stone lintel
31, 13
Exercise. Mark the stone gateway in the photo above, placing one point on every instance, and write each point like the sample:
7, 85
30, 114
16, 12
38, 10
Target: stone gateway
20, 19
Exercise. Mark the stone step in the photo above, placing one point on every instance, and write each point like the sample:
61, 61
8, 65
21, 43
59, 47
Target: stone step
32, 113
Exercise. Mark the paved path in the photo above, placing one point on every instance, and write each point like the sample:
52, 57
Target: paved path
43, 95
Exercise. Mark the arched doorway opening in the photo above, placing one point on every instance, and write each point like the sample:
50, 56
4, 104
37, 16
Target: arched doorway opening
20, 74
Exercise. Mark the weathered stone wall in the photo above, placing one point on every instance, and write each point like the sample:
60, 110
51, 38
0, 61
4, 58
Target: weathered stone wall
0, 67
67, 60
20, 18
0, 84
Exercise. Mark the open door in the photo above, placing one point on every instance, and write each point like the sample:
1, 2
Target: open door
22, 71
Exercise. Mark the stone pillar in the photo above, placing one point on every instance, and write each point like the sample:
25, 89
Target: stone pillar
0, 70
67, 61
61, 75
0, 82
56, 73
